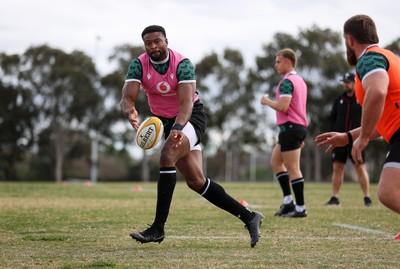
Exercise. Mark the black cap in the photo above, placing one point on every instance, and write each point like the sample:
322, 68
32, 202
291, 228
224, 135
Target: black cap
348, 76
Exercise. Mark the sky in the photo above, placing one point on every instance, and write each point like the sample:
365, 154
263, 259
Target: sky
194, 27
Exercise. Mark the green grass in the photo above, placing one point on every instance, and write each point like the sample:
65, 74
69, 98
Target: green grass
45, 225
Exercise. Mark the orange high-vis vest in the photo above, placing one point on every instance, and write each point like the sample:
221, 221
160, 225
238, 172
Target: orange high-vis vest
389, 122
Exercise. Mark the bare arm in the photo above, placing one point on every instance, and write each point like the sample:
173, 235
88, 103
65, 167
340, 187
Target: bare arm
186, 94
130, 92
335, 139
282, 105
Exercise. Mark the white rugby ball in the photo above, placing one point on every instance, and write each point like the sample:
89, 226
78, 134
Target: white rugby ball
149, 133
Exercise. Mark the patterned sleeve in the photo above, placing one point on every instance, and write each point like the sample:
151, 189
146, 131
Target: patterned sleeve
185, 72
286, 88
134, 71
371, 61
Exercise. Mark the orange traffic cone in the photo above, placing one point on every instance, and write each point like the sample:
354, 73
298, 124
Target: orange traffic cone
138, 188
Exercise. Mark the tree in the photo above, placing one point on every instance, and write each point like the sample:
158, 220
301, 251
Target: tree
16, 124
63, 90
394, 46
113, 82
223, 83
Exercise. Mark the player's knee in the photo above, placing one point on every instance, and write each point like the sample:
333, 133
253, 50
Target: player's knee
195, 184
337, 169
380, 197
293, 169
384, 195
168, 158
276, 165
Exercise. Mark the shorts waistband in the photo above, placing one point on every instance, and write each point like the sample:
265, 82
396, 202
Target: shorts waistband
288, 126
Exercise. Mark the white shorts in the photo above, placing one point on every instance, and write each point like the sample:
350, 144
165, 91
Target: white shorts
190, 133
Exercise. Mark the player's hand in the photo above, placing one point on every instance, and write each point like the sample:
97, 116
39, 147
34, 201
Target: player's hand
264, 99
333, 139
177, 137
356, 152
133, 118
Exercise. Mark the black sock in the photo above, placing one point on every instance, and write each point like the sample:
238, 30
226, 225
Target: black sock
165, 190
216, 194
284, 181
298, 189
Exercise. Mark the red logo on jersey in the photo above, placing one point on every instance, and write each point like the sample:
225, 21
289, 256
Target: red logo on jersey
163, 87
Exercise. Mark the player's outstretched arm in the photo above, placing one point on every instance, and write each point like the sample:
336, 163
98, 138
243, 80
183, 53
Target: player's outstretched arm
332, 139
130, 91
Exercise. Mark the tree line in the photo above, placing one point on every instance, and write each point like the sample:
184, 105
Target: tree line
55, 103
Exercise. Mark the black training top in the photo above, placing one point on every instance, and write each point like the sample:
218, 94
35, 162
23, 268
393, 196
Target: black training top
345, 114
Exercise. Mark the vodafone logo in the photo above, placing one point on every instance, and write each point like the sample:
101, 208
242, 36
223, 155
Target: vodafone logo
163, 87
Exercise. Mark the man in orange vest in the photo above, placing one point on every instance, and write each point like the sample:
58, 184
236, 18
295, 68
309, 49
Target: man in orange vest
378, 91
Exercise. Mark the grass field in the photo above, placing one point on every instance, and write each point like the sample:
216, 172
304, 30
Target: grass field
48, 225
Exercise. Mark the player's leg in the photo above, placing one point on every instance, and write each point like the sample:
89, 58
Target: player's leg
167, 178
165, 189
363, 180
339, 157
291, 145
282, 176
337, 181
292, 161
389, 187
337, 177
277, 163
191, 168
389, 182
280, 170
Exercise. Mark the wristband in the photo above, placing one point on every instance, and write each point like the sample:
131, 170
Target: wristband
350, 137
177, 126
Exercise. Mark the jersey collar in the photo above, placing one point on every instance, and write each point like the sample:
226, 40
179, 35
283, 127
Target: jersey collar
161, 62
293, 72
365, 50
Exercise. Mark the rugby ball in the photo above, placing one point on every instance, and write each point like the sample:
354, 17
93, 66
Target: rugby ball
149, 133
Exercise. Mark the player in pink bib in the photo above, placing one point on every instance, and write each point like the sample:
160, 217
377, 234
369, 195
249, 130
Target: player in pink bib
290, 107
169, 81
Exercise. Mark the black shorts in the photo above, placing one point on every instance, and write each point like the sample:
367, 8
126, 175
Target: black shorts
198, 120
341, 154
291, 136
393, 156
